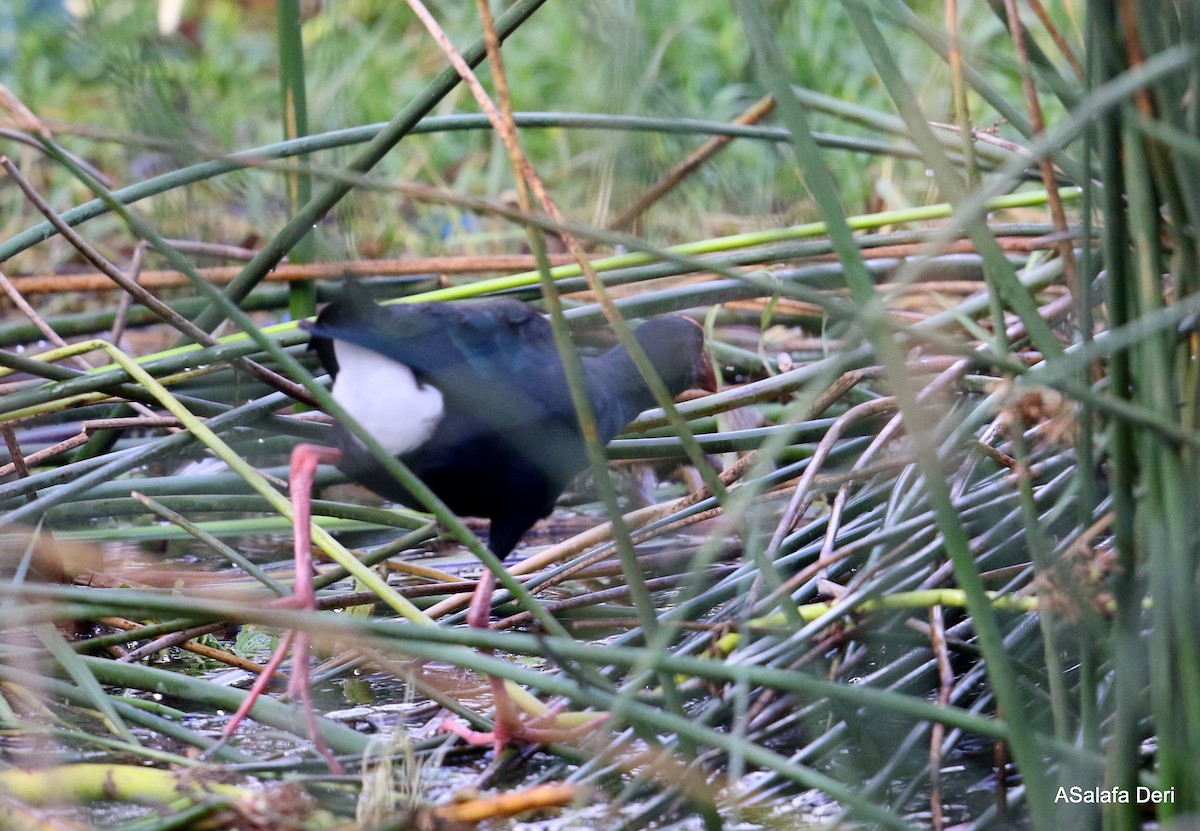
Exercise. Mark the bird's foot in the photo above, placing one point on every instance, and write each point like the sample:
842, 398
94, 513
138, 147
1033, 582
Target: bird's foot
521, 732
539, 724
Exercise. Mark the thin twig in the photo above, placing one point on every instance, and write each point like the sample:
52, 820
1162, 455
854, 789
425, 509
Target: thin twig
1066, 249
671, 179
169, 315
183, 641
42, 326
126, 302
84, 434
1065, 48
401, 267
14, 450
798, 502
937, 637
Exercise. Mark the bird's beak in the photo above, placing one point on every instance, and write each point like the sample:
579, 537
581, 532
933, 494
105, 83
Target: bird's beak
706, 377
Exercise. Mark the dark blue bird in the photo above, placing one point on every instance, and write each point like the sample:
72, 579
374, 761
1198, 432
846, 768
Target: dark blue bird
472, 396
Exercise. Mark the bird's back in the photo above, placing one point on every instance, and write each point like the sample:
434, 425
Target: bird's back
505, 435
473, 397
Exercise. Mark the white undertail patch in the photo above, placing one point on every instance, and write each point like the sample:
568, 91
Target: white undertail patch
385, 398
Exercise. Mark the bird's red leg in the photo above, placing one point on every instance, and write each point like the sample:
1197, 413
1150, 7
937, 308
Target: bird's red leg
507, 725
259, 684
479, 614
305, 459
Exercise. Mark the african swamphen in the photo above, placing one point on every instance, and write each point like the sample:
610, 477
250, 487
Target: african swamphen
472, 396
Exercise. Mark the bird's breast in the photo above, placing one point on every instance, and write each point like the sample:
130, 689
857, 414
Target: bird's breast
384, 396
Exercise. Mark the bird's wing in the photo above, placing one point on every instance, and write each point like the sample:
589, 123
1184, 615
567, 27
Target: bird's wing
496, 357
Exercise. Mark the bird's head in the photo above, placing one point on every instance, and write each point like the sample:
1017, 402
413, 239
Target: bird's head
675, 347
